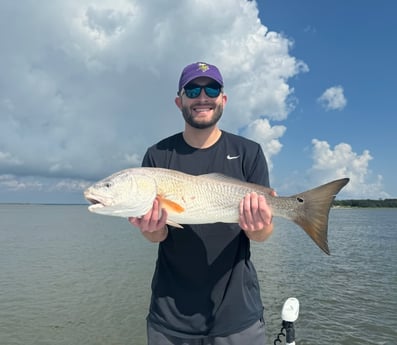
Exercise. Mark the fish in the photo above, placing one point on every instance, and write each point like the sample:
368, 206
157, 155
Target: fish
208, 198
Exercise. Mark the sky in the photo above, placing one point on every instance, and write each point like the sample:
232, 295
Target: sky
86, 86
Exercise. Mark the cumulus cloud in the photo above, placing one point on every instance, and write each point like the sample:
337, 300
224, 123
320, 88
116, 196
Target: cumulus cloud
87, 86
7, 159
333, 98
341, 161
87, 97
12, 183
262, 132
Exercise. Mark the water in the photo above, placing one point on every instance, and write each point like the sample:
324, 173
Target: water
69, 277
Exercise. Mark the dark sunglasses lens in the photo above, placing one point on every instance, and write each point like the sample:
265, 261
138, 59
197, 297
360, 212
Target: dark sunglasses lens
193, 92
212, 91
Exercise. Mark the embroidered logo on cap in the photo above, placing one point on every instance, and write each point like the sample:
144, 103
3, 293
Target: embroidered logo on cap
203, 67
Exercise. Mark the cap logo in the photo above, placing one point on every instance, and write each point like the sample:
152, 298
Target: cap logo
203, 67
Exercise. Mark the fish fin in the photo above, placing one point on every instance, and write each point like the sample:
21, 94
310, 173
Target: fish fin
174, 224
170, 205
315, 205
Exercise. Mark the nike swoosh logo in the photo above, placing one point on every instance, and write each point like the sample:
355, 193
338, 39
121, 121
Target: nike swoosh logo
232, 157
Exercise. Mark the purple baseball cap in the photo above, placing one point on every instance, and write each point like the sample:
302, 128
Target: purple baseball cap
199, 69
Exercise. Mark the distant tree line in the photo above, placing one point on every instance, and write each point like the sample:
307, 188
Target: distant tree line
366, 203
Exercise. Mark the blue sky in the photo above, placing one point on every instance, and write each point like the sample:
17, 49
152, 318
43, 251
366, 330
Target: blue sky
348, 44
86, 86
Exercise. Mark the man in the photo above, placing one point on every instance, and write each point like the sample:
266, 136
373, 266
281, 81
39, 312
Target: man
205, 288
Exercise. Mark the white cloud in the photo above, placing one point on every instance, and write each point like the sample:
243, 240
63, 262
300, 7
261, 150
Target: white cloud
341, 161
7, 159
12, 183
333, 98
261, 131
87, 97
69, 185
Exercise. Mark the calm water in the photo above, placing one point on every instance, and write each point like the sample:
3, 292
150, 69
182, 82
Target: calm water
69, 277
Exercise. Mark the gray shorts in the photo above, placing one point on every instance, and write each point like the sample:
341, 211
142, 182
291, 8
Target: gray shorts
253, 335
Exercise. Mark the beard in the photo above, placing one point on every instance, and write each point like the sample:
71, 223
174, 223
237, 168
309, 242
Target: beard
198, 124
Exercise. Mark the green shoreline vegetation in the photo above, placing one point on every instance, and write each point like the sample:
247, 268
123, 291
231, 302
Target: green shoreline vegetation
386, 203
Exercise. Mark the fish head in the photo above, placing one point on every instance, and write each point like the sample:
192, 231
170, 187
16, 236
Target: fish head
128, 193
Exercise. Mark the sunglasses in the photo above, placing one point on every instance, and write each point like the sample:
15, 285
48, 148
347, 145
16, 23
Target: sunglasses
193, 90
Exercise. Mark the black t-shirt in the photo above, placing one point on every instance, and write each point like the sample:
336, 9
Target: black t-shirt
204, 282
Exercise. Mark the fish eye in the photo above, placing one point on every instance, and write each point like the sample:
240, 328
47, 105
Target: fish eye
108, 184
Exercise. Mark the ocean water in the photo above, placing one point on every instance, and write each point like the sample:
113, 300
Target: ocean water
70, 277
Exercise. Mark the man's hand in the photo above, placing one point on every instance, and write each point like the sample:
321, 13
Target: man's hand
152, 224
256, 217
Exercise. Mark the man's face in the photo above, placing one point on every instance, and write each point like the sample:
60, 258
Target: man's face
202, 111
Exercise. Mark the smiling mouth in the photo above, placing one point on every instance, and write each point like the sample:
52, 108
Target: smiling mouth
202, 109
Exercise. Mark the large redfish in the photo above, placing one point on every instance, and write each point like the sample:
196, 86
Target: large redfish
207, 198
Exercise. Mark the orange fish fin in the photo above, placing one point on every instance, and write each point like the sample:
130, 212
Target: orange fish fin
170, 205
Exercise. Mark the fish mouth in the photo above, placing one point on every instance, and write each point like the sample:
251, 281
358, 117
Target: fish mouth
94, 200
96, 206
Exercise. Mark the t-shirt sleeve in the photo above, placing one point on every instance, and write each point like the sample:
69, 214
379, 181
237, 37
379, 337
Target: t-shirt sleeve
148, 160
259, 173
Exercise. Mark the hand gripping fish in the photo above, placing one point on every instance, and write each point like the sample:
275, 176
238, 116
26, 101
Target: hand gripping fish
207, 198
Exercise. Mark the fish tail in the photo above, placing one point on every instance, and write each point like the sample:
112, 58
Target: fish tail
313, 211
